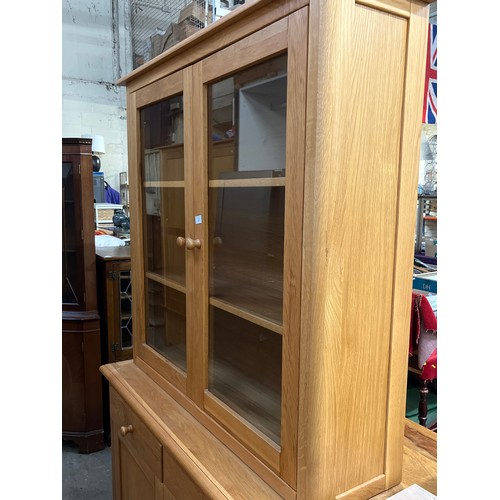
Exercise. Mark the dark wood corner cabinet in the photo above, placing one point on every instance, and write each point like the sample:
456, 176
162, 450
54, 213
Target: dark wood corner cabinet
82, 417
273, 161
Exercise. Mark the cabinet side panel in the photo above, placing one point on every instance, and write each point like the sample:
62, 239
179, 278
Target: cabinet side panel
349, 243
404, 250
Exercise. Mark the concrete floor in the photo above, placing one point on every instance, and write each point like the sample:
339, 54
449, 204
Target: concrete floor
86, 476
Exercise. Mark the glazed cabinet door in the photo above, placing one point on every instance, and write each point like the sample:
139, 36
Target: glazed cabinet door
77, 227
250, 98
164, 194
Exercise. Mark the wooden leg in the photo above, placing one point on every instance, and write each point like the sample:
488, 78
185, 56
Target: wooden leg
422, 405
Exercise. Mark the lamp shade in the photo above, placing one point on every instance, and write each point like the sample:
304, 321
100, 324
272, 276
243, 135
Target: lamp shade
97, 142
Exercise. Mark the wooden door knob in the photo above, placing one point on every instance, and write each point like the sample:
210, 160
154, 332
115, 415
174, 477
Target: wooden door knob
189, 243
126, 429
192, 244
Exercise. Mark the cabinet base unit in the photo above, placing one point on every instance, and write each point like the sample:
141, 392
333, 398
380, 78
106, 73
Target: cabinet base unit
82, 417
273, 166
170, 450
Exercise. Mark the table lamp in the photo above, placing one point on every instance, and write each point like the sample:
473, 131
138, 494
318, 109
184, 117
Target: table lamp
97, 148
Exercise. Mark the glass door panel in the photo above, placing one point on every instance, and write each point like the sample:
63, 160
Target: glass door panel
125, 310
245, 370
70, 276
162, 127
247, 172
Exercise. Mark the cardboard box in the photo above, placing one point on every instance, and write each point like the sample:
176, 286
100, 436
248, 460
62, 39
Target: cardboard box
195, 14
160, 43
430, 247
188, 28
193, 17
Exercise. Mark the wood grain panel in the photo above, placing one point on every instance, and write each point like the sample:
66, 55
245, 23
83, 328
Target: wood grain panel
195, 362
351, 200
404, 242
372, 153
179, 483
199, 311
161, 89
399, 8
134, 481
143, 445
323, 247
365, 490
267, 42
294, 192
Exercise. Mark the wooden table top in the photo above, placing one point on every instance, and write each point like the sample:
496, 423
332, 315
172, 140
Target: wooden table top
113, 253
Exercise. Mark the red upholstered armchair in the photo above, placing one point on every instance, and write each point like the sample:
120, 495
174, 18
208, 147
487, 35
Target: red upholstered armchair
423, 348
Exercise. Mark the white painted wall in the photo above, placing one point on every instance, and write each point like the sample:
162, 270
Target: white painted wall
96, 52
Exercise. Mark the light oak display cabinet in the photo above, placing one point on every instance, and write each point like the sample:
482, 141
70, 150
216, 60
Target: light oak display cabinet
273, 165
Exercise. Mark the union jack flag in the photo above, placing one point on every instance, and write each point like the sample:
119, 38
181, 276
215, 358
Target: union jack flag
429, 114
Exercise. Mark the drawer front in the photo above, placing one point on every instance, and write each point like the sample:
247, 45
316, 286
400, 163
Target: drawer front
134, 434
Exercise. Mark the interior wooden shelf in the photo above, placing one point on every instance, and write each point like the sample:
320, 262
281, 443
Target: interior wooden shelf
260, 309
176, 283
247, 315
254, 401
178, 145
252, 182
251, 294
164, 184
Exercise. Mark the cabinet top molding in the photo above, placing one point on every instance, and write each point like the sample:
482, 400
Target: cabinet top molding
249, 10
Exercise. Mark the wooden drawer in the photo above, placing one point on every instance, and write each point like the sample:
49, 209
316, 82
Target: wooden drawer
134, 434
